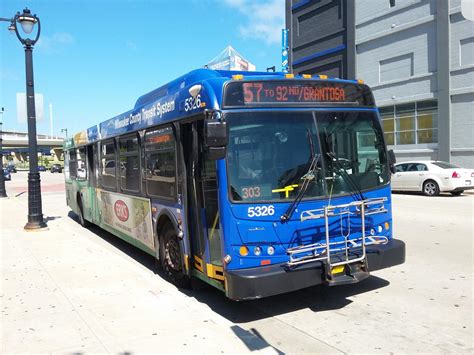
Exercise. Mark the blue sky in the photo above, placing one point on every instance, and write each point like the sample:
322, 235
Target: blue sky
96, 57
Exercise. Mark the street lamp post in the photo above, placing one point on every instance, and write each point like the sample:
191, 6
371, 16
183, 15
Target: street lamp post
27, 22
3, 192
64, 130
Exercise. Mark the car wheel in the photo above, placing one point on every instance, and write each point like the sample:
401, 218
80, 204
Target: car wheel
82, 221
430, 188
457, 193
171, 258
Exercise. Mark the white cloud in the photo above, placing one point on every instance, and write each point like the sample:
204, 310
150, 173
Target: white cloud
55, 42
131, 45
264, 19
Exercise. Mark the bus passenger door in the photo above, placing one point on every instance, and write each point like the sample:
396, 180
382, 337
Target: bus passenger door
202, 208
92, 174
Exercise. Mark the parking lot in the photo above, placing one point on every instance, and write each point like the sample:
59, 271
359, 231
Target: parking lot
70, 289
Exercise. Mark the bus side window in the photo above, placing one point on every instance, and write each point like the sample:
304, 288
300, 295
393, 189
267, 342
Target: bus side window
160, 163
67, 176
129, 163
81, 164
107, 164
73, 164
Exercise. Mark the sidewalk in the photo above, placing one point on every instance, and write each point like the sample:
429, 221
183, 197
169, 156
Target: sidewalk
69, 290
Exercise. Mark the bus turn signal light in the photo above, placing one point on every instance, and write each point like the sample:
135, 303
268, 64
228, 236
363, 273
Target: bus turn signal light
237, 77
289, 76
243, 250
360, 81
307, 76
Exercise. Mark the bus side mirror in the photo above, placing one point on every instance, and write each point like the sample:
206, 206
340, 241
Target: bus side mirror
216, 153
215, 138
391, 160
215, 133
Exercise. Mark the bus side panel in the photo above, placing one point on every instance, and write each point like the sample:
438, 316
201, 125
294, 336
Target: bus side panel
128, 217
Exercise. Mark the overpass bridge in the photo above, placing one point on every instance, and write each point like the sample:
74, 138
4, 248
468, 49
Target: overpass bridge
16, 144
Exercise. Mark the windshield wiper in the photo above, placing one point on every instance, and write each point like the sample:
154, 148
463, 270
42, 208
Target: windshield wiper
346, 176
308, 177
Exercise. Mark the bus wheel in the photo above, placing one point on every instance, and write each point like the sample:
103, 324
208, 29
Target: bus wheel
83, 222
172, 259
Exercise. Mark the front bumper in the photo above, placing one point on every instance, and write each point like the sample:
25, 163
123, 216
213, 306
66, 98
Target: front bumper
271, 280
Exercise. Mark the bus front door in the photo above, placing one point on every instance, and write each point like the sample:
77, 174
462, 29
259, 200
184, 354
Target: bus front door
203, 212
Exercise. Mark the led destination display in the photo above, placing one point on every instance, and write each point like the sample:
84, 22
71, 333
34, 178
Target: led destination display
296, 92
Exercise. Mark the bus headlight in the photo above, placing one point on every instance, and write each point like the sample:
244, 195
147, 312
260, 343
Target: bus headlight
372, 231
257, 251
271, 250
379, 229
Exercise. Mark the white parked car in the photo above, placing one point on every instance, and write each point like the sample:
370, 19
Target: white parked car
432, 177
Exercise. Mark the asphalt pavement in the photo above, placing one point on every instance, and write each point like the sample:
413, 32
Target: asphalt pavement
75, 290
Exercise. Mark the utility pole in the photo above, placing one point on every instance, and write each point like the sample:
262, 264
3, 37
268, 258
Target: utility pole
3, 191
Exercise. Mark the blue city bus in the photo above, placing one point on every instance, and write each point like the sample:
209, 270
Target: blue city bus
256, 183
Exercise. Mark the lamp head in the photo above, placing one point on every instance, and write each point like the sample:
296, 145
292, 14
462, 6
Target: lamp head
27, 21
11, 28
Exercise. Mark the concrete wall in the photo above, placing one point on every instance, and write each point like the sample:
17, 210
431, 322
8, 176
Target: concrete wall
462, 130
319, 39
462, 87
378, 43
413, 51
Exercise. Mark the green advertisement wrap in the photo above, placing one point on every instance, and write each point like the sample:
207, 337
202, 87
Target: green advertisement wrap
128, 214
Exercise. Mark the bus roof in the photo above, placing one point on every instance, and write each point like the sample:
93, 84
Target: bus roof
173, 101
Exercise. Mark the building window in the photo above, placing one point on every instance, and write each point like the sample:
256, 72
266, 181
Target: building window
466, 47
391, 3
388, 124
427, 122
160, 161
405, 123
412, 123
396, 68
129, 164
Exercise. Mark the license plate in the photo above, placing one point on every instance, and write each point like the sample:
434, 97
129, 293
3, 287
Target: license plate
337, 269
468, 182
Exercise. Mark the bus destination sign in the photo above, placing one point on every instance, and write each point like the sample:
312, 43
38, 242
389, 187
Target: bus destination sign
297, 93
269, 92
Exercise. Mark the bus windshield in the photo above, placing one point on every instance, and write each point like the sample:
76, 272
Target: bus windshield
270, 154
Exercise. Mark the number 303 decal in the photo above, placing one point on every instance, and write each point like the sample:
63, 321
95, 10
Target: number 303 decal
259, 211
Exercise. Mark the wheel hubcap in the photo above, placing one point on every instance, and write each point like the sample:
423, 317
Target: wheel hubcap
430, 189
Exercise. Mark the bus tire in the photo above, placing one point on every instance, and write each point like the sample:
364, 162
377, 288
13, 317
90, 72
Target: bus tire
430, 188
171, 258
82, 221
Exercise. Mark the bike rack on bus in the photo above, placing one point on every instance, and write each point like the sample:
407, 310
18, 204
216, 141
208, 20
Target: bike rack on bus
343, 252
